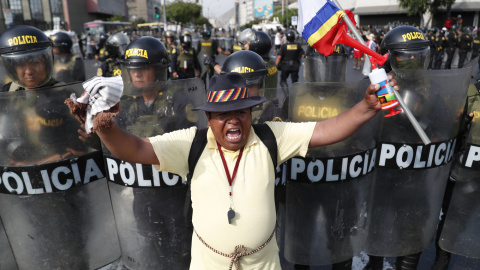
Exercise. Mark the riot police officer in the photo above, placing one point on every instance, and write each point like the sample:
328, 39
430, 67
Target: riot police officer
29, 65
115, 46
260, 42
67, 66
440, 44
464, 45
184, 62
407, 54
451, 40
209, 47
289, 59
147, 76
254, 70
102, 54
431, 36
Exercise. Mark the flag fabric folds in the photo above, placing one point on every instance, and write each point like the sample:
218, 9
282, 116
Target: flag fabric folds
319, 21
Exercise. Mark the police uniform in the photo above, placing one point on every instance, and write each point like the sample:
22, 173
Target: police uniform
451, 41
237, 47
464, 46
475, 46
69, 68
209, 48
184, 62
431, 37
440, 43
109, 68
290, 61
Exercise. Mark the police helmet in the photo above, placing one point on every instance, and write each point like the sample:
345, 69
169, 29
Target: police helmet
453, 28
22, 45
62, 41
145, 52
206, 33
408, 48
260, 42
434, 30
291, 35
468, 30
169, 34
103, 38
116, 44
249, 64
186, 38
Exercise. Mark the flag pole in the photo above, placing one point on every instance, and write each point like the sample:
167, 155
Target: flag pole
407, 111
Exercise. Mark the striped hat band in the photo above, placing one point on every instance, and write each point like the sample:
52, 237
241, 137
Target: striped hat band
227, 95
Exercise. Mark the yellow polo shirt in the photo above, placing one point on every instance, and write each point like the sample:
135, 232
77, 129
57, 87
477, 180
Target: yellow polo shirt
252, 192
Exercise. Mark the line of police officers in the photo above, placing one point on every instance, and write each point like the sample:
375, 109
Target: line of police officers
149, 64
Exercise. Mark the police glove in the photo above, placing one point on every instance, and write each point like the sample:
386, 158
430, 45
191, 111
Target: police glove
98, 104
209, 62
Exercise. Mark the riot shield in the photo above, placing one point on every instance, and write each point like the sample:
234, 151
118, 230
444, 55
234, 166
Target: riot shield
148, 204
461, 230
410, 177
54, 200
275, 108
328, 191
7, 260
228, 44
319, 68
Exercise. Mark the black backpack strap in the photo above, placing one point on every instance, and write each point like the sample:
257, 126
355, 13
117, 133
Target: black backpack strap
198, 144
266, 135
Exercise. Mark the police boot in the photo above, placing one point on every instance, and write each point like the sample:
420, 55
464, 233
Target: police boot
342, 265
374, 263
408, 262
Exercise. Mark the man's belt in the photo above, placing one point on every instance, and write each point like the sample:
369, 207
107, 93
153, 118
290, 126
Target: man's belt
239, 251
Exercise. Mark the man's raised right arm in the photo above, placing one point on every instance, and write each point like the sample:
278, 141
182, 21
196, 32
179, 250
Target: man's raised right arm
128, 147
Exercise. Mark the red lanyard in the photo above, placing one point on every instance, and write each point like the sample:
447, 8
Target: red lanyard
230, 179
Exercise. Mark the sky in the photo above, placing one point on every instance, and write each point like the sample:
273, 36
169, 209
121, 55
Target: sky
215, 8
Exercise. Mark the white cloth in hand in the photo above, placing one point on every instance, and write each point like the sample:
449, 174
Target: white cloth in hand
101, 94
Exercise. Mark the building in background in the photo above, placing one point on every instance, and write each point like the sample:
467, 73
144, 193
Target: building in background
144, 9
64, 14
367, 12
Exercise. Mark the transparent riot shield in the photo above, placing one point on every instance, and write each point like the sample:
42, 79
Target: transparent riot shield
328, 191
54, 200
410, 177
461, 230
275, 108
228, 44
7, 260
319, 68
148, 204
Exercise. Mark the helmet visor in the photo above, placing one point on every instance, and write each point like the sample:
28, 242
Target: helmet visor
245, 36
29, 69
410, 59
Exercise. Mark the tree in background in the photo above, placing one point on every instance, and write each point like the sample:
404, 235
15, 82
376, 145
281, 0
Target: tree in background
422, 7
185, 13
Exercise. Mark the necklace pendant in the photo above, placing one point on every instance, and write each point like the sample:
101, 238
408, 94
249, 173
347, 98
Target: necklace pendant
230, 215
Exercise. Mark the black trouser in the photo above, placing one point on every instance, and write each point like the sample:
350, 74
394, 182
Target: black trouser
450, 53
336, 266
432, 56
438, 59
462, 56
